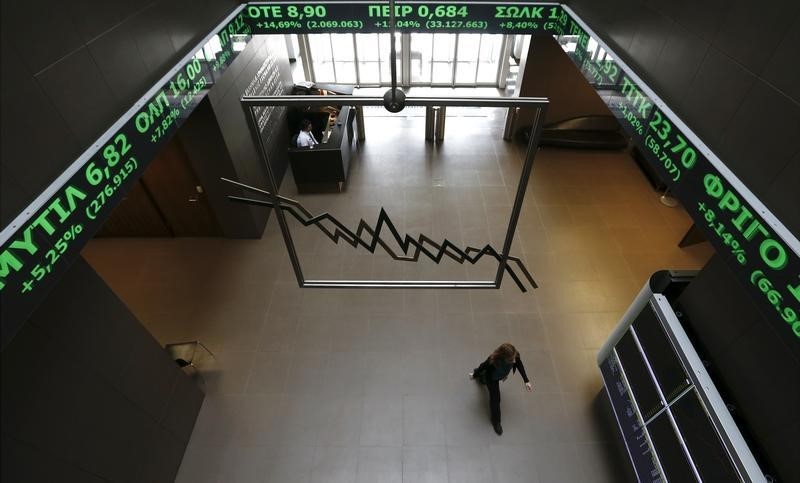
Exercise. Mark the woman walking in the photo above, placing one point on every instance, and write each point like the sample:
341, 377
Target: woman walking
494, 369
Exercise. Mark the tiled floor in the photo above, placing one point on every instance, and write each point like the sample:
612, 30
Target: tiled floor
370, 386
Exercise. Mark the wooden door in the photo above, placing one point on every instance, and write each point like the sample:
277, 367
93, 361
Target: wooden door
167, 201
136, 215
177, 192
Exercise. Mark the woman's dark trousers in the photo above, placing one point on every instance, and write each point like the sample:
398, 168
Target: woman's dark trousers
494, 400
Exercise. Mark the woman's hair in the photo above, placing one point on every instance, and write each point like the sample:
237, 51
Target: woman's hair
506, 352
305, 124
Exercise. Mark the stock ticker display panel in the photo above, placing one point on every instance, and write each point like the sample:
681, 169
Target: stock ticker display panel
761, 258
419, 17
42, 248
39, 245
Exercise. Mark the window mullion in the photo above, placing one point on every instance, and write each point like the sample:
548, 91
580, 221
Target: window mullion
455, 63
355, 60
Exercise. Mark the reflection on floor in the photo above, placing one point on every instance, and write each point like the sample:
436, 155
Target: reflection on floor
368, 386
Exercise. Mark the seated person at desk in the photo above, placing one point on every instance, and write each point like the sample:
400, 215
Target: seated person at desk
306, 138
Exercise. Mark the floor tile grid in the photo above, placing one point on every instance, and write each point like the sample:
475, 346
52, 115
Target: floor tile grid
389, 410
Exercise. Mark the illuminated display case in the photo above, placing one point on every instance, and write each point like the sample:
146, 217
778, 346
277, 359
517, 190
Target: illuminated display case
671, 417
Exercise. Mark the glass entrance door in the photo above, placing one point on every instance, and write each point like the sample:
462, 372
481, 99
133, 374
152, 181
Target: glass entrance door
451, 60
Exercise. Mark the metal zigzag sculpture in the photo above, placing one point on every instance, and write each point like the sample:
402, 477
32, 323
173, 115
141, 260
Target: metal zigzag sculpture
341, 232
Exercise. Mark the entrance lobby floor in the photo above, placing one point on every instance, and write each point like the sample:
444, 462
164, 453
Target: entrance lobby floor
312, 385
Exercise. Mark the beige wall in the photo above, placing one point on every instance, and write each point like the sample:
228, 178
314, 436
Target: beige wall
548, 72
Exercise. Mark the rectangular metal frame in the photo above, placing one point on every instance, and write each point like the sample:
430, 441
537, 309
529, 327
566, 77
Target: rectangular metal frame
539, 105
713, 404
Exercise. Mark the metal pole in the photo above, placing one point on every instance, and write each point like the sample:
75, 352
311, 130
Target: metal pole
305, 57
527, 168
511, 122
273, 189
410, 101
440, 117
360, 123
393, 52
429, 123
505, 64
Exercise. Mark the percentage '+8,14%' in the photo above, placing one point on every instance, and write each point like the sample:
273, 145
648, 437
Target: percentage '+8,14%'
727, 237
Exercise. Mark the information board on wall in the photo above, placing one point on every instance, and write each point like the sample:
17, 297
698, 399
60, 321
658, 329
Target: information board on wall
42, 241
42, 248
764, 262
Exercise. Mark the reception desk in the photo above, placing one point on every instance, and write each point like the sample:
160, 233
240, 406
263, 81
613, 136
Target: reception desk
329, 161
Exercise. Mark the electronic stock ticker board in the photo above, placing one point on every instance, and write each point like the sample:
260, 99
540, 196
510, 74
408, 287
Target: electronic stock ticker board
41, 242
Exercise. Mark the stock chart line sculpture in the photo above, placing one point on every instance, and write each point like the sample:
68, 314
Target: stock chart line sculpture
369, 237
373, 238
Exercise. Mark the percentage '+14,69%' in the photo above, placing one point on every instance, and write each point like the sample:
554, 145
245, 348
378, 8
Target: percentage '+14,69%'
281, 25
788, 314
52, 256
726, 236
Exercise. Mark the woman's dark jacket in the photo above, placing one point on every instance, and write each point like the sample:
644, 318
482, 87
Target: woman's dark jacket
491, 372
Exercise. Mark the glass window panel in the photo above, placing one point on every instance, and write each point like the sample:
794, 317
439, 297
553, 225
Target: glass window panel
368, 47
420, 71
422, 43
491, 45
487, 72
489, 58
385, 46
320, 46
323, 72
345, 72
468, 47
386, 73
444, 47
343, 47
322, 57
442, 73
421, 56
369, 73
465, 72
